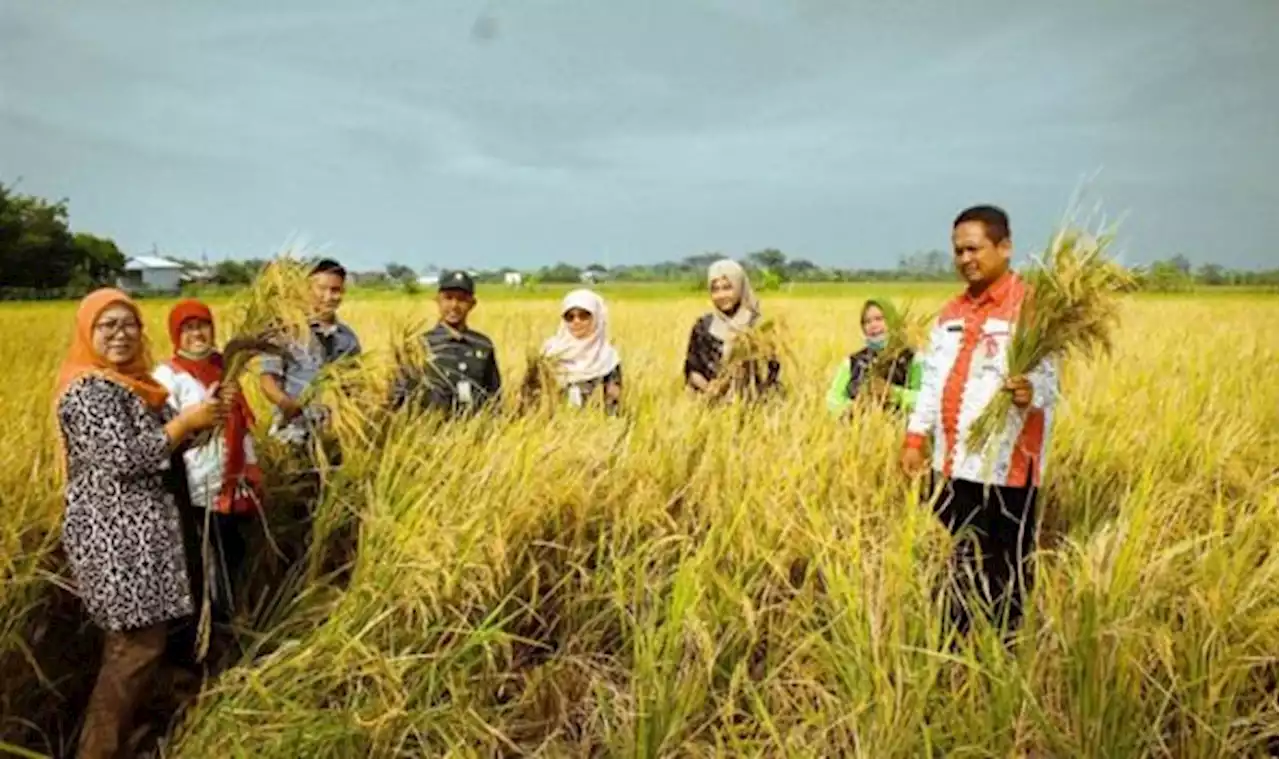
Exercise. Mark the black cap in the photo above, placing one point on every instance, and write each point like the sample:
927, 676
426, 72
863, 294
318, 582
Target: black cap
457, 280
329, 266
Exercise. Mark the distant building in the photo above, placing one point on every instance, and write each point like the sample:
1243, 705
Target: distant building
513, 279
151, 274
593, 276
430, 279
198, 276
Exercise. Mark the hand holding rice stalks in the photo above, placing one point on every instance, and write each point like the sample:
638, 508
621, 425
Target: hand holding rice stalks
541, 379
740, 369
906, 327
275, 307
1072, 307
264, 317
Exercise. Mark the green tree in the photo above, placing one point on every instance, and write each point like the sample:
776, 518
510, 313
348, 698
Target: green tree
231, 272
99, 261
769, 258
702, 261
1167, 277
1211, 274
36, 247
401, 273
561, 272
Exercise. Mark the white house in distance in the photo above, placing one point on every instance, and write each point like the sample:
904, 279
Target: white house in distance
512, 279
151, 274
593, 276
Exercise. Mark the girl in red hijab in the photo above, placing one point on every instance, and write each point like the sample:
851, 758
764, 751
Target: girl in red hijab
222, 475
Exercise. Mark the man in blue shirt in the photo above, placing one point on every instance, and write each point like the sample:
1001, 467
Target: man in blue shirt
284, 380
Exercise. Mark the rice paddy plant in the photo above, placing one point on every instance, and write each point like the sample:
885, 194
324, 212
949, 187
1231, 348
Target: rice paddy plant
741, 580
1072, 308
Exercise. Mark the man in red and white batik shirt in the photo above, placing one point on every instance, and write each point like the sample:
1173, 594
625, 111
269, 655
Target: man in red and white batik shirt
992, 493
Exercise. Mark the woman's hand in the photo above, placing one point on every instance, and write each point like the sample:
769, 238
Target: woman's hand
207, 413
202, 415
228, 392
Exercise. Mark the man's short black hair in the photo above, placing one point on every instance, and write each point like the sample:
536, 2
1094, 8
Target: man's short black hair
329, 266
993, 219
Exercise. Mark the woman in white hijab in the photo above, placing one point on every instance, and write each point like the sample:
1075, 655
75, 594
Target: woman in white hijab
583, 357
737, 311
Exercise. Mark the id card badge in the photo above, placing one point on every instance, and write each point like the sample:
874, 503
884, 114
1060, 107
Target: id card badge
464, 392
575, 396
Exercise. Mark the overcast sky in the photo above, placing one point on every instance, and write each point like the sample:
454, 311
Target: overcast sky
521, 132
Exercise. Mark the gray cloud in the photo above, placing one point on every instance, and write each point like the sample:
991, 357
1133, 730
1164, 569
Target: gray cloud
525, 132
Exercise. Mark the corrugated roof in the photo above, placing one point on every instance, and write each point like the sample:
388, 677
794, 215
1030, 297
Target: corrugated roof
150, 262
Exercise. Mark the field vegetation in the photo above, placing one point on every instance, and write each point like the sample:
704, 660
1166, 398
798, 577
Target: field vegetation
681, 581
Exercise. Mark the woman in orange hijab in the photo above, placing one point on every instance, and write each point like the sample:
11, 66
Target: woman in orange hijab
121, 529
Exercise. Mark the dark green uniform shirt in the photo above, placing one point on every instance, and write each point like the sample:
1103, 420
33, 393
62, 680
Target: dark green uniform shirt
461, 376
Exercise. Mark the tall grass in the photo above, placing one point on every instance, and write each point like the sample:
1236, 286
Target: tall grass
739, 581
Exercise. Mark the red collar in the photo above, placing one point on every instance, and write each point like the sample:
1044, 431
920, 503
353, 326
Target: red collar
995, 293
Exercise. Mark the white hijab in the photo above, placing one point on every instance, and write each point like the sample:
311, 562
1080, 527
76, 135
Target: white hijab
726, 328
583, 360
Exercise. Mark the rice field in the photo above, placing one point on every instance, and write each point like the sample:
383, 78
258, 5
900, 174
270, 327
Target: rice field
687, 582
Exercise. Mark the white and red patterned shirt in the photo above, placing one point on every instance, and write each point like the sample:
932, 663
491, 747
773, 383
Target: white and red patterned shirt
965, 366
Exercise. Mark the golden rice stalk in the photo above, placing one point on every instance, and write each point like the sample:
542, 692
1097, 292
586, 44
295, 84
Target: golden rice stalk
541, 379
906, 326
765, 341
276, 305
1072, 308
413, 369
264, 317
762, 342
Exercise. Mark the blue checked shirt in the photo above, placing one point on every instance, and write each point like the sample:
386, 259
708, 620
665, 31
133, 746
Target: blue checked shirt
297, 370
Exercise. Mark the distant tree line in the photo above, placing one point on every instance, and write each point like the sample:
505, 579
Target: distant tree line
1177, 275
40, 256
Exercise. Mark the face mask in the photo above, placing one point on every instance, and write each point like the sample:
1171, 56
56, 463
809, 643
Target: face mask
878, 342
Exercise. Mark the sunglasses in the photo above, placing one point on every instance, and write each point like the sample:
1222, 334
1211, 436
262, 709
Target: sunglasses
577, 315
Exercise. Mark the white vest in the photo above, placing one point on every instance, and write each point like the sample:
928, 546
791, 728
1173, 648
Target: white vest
206, 463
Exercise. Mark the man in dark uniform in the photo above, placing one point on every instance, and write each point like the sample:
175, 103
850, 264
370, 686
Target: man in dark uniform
461, 373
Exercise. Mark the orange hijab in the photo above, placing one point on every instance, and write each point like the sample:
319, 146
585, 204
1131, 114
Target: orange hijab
82, 359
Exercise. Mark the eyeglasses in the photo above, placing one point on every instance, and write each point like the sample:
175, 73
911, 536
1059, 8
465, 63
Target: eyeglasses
577, 315
111, 327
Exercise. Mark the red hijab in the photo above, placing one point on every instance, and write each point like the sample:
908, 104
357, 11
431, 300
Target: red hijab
208, 371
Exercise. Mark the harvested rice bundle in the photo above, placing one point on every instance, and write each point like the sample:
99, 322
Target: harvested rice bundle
764, 342
541, 378
264, 318
1072, 307
907, 328
276, 306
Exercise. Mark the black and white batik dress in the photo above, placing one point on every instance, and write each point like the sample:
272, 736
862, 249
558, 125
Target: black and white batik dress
121, 530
